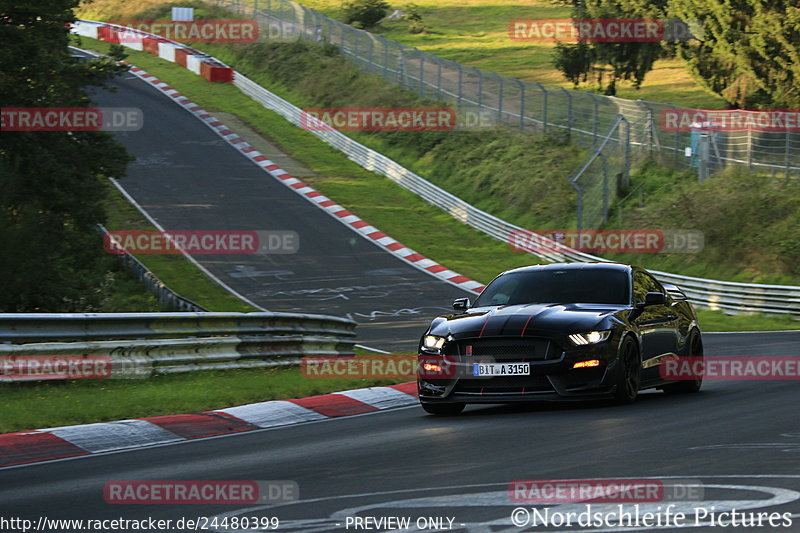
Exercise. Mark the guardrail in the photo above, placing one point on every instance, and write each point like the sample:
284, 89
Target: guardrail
140, 345
731, 297
157, 288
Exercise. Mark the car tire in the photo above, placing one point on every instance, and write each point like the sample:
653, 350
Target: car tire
443, 409
694, 349
628, 375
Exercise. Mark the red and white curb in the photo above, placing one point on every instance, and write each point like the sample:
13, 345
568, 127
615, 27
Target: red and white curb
338, 212
86, 439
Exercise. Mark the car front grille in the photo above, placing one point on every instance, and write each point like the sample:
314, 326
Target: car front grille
504, 384
506, 349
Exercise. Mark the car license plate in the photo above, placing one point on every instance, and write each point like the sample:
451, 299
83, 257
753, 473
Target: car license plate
501, 369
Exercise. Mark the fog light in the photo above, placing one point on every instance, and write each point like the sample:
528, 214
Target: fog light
431, 367
587, 364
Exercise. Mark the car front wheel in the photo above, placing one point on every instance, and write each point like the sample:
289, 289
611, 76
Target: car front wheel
627, 388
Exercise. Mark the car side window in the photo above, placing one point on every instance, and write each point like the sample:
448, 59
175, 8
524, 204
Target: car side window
642, 284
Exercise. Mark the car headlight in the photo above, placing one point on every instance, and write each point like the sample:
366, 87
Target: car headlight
591, 337
433, 343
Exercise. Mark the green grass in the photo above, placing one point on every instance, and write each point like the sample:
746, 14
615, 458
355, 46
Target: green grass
49, 404
173, 270
475, 33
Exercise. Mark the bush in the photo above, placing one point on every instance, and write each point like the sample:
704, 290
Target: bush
412, 15
365, 13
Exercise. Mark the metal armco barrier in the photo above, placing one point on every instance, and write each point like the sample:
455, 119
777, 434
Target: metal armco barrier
157, 288
143, 344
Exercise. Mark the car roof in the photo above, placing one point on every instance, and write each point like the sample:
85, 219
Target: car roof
620, 267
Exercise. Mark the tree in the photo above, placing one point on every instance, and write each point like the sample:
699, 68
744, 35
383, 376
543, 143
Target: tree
609, 62
365, 13
750, 52
51, 183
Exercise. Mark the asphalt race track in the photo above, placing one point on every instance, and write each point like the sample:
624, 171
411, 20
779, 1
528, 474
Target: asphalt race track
188, 178
739, 441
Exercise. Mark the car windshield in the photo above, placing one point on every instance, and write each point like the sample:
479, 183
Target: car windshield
557, 286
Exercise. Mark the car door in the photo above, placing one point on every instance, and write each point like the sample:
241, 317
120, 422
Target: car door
656, 324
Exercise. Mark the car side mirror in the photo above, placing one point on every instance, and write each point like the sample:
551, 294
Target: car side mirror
653, 298
461, 304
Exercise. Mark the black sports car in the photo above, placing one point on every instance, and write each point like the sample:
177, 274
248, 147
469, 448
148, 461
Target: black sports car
558, 332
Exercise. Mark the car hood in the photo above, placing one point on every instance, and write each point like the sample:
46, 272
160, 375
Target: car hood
527, 319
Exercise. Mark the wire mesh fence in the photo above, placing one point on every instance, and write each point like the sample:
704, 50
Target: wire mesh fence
583, 118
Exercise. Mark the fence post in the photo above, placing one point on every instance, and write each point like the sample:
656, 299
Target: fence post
544, 107
749, 147
569, 112
460, 78
702, 169
401, 65
480, 89
596, 119
421, 74
627, 149
580, 206
385, 56
370, 61
786, 154
356, 57
521, 103
500, 98
439, 76
605, 188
